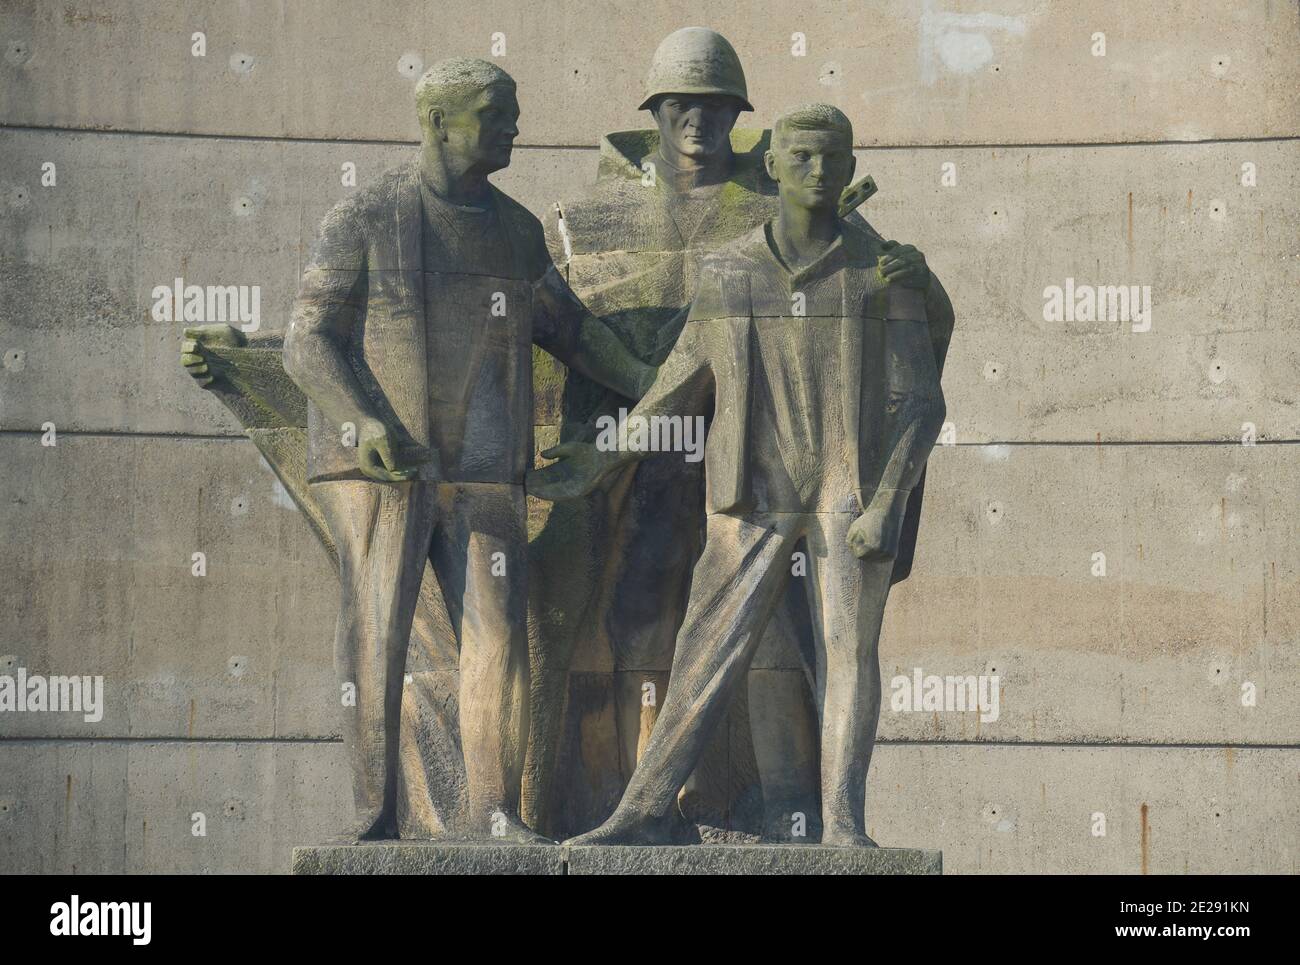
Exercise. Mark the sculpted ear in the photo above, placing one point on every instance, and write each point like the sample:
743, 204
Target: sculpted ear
438, 122
769, 163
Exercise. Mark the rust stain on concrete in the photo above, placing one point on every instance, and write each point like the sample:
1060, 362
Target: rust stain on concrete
1146, 836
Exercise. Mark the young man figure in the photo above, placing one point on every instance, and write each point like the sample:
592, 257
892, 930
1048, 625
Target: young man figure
808, 340
412, 337
611, 572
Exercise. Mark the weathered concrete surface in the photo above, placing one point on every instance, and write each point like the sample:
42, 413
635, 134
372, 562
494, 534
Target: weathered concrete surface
1013, 809
90, 807
101, 582
428, 858
83, 257
1014, 71
106, 806
1201, 593
780, 859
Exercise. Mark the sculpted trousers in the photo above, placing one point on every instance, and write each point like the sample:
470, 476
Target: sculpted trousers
616, 564
739, 581
473, 534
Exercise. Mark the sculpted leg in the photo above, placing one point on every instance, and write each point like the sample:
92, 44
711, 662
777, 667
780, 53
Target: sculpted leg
655, 529
564, 571
382, 532
480, 555
736, 584
783, 724
847, 600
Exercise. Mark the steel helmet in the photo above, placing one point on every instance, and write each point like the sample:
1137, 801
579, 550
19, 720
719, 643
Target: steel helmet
696, 60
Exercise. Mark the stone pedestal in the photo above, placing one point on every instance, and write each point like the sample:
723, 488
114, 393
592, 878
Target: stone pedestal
428, 858
753, 859
436, 858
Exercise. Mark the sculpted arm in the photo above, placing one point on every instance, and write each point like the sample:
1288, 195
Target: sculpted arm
566, 328
332, 294
914, 414
682, 387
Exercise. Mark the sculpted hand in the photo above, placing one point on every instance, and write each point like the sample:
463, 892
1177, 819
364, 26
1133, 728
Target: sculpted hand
377, 453
903, 265
580, 468
199, 337
875, 534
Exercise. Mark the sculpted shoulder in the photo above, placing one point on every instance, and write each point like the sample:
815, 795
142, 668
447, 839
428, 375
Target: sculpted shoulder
724, 287
526, 231
343, 233
522, 220
372, 202
861, 241
742, 254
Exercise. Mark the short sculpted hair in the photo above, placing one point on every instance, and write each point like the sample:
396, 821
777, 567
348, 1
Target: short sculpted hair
813, 117
450, 83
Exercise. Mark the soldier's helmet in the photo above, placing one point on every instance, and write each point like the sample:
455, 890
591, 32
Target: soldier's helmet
696, 60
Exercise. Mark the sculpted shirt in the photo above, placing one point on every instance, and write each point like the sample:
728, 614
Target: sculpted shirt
799, 454
478, 323
797, 427
814, 377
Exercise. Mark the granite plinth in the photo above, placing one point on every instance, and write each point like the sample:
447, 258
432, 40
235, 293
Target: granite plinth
436, 858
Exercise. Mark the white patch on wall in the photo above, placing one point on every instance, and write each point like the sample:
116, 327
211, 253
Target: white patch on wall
279, 495
963, 52
961, 43
995, 453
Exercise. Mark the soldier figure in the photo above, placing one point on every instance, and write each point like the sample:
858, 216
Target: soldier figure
411, 337
611, 571
808, 340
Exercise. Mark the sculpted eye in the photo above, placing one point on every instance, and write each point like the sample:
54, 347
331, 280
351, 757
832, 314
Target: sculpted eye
801, 155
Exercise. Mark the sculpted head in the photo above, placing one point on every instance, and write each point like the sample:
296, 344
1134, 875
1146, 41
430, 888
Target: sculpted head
468, 114
695, 90
811, 158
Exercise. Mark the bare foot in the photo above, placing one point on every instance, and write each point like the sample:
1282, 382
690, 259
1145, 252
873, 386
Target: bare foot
632, 829
847, 839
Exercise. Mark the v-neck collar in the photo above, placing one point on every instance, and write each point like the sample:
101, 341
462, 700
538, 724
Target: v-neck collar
827, 263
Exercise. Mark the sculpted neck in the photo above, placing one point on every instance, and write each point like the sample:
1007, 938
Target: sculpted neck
451, 180
801, 234
683, 172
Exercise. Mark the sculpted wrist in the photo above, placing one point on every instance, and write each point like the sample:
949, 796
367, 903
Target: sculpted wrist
890, 502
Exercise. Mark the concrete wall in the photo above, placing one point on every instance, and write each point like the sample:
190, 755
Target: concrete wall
1120, 694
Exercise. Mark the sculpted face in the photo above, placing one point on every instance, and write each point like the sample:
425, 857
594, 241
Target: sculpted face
811, 168
481, 131
696, 125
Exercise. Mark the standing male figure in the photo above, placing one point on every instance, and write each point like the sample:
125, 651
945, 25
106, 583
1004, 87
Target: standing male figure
412, 337
611, 572
809, 344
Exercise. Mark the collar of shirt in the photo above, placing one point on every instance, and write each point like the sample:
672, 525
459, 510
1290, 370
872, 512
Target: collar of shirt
832, 259
431, 194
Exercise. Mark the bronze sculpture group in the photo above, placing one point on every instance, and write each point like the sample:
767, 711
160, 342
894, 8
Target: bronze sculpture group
711, 273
